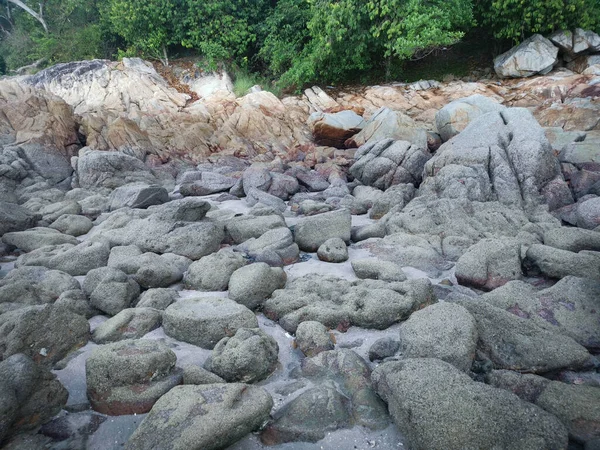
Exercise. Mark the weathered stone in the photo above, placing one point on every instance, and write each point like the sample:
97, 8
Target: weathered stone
159, 298
556, 263
72, 224
131, 323
14, 217
534, 55
377, 270
110, 290
332, 129
251, 285
35, 285
333, 250
138, 196
35, 238
383, 348
313, 338
212, 272
311, 232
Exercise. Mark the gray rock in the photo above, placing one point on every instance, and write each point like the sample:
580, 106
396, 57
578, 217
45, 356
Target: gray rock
456, 115
513, 343
490, 263
313, 338
311, 232
383, 163
205, 417
588, 213
184, 210
148, 269
566, 308
535, 55
572, 239
251, 285
14, 217
556, 263
396, 196
435, 405
53, 211
110, 290
444, 331
246, 227
256, 177
209, 183
199, 375
311, 179
275, 247
339, 304
255, 196
31, 395
585, 40
138, 196
128, 377
383, 348
332, 129
76, 301
73, 259
283, 186
249, 356
311, 208
373, 268
577, 407
205, 321
131, 323
35, 238
35, 285
45, 333
158, 298
212, 272
110, 169
333, 250
72, 224
367, 194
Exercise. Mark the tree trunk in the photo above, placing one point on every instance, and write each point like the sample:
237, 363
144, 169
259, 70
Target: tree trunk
38, 16
165, 61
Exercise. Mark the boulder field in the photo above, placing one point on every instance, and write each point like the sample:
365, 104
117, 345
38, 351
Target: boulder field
409, 266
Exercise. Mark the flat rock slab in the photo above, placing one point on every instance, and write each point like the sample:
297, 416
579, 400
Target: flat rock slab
34, 238
204, 417
204, 321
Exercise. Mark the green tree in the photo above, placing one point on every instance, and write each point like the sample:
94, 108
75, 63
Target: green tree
515, 20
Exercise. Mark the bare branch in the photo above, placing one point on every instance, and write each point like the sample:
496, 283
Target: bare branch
31, 12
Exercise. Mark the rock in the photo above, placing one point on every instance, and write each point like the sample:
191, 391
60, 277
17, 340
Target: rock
110, 290
313, 338
275, 247
14, 217
456, 115
583, 62
339, 304
513, 343
35, 286
76, 301
138, 196
45, 333
311, 232
435, 405
209, 183
212, 272
283, 186
205, 321
205, 417
375, 269
251, 285
246, 227
555, 263
110, 169
128, 377
386, 123
332, 129
148, 269
75, 260
575, 406
394, 197
159, 298
386, 162
255, 196
249, 356
563, 39
72, 224
309, 417
585, 40
35, 238
312, 208
131, 323
535, 55
566, 308
311, 179
572, 239
489, 264
199, 375
367, 194
53, 211
383, 348
31, 395
333, 250
256, 177
588, 213
444, 331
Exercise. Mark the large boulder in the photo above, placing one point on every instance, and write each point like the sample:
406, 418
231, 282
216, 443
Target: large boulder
110, 169
275, 247
205, 321
456, 115
131, 323
435, 405
249, 356
555, 263
383, 163
14, 217
251, 285
72, 224
203, 417
212, 272
128, 377
333, 129
535, 55
35, 238
110, 290
138, 196
311, 232
35, 285
313, 338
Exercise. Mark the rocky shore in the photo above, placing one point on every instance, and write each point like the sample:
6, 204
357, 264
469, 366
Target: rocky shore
402, 266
